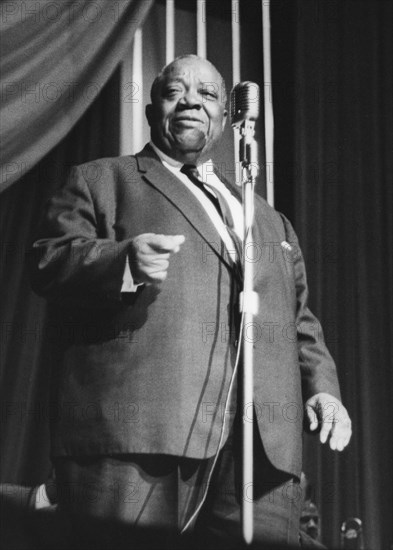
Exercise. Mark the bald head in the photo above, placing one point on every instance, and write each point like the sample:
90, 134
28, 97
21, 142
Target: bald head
192, 59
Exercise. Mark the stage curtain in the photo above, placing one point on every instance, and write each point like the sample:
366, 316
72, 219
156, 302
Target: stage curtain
25, 336
56, 57
332, 89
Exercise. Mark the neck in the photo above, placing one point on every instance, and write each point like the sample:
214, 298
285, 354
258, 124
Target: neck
185, 157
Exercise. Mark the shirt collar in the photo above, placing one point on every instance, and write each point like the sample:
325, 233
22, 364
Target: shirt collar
173, 163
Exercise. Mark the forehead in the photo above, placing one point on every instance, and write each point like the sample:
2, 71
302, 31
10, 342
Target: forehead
310, 510
191, 70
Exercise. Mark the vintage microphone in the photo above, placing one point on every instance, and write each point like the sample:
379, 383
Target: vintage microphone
244, 113
351, 536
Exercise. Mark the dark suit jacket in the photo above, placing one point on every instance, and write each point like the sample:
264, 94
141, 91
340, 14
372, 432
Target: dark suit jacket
150, 372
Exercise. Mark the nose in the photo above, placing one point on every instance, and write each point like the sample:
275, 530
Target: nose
190, 100
312, 524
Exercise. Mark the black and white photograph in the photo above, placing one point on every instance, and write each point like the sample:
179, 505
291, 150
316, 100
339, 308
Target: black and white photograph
196, 266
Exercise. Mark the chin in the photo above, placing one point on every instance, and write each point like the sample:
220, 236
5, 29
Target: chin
190, 139
189, 153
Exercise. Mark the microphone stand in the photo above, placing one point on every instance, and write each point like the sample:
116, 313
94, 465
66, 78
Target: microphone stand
249, 305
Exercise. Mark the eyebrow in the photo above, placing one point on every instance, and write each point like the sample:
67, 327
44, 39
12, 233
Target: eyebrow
200, 83
174, 79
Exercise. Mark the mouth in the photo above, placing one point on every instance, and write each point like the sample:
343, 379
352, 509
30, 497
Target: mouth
184, 119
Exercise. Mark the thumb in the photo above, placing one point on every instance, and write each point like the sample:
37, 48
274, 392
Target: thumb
166, 243
178, 240
312, 415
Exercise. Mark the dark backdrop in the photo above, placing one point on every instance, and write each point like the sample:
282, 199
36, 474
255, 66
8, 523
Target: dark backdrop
332, 83
332, 91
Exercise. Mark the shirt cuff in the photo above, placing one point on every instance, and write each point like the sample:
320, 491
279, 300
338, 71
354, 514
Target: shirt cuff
128, 281
41, 498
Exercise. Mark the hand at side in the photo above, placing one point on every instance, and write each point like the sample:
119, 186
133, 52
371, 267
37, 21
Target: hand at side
330, 413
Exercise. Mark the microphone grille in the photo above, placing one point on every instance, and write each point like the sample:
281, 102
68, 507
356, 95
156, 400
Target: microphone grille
244, 102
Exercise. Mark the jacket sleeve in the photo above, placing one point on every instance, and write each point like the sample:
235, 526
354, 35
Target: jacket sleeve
70, 263
318, 370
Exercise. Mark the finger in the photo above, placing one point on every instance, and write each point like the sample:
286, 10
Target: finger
151, 270
337, 443
348, 435
341, 433
145, 267
325, 430
156, 277
149, 255
312, 417
155, 264
166, 243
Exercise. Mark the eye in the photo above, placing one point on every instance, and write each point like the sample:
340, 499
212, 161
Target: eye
208, 93
171, 91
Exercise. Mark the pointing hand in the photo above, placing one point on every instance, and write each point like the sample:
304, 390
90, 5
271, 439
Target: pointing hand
149, 256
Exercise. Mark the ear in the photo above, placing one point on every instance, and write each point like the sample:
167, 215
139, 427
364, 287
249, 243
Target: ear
149, 114
224, 119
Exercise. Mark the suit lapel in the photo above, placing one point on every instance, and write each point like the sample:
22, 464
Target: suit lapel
182, 199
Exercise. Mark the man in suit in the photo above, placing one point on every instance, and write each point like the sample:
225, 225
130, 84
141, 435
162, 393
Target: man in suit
140, 264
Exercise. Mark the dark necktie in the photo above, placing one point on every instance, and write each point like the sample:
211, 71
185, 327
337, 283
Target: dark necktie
219, 202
